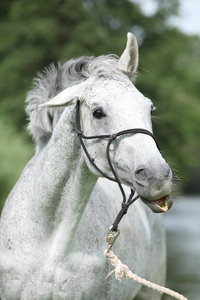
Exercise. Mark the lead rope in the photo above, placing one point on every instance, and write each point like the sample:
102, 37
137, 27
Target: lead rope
120, 270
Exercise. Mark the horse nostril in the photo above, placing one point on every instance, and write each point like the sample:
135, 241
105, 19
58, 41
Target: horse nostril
140, 174
167, 172
140, 171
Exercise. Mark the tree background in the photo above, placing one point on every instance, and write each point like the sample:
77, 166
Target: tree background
34, 34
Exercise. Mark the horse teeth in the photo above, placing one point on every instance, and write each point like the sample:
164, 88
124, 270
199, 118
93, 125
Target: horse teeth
160, 202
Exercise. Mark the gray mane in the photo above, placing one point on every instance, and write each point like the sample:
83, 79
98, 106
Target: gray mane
53, 80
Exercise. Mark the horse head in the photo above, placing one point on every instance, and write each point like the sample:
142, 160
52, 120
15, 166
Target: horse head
110, 103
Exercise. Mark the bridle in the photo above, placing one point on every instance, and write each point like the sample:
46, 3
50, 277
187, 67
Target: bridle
111, 138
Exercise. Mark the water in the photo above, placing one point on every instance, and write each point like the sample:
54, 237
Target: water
183, 247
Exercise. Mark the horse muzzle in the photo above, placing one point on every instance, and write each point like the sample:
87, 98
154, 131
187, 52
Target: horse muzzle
154, 187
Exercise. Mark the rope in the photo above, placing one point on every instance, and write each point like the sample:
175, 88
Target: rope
122, 270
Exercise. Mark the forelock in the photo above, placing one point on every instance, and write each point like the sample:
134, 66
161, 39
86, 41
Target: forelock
54, 79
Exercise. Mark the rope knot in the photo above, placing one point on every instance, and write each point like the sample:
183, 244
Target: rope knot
122, 270
79, 132
113, 137
125, 207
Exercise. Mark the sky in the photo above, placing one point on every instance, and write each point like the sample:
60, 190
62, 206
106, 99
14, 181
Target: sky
189, 14
189, 20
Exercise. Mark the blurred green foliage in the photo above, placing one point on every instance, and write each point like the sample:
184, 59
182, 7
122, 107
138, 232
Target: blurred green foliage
35, 33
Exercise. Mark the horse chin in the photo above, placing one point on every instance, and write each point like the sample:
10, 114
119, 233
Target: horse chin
160, 205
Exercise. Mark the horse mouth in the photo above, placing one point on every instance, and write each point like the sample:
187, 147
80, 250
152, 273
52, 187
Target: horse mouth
159, 205
162, 203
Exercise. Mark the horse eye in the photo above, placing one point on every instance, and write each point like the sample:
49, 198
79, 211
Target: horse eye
98, 113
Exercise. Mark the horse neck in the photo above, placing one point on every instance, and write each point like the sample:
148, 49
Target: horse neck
63, 183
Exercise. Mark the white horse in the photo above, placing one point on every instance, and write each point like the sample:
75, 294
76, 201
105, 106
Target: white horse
55, 221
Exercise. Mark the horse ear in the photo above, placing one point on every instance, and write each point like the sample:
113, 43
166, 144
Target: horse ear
128, 61
67, 97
